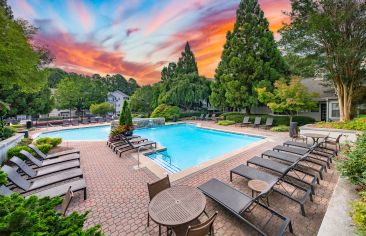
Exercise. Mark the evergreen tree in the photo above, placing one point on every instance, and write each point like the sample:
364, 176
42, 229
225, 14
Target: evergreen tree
187, 62
250, 59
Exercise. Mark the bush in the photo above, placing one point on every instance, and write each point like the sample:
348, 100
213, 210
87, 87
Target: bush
226, 122
6, 132
3, 178
277, 120
46, 140
125, 117
170, 113
15, 151
26, 141
45, 148
101, 109
358, 214
353, 164
36, 216
280, 128
355, 124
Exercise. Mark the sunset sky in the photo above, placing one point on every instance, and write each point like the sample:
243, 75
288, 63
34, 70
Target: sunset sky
135, 38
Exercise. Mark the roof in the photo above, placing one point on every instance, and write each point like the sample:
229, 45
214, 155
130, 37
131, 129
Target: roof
319, 86
118, 93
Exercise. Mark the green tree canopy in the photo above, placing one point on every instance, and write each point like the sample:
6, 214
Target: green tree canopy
79, 92
331, 34
20, 62
291, 98
250, 59
101, 109
181, 84
142, 100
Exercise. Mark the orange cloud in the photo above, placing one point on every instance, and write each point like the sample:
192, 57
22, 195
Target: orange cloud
86, 58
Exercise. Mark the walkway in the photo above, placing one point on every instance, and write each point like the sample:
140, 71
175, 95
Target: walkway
118, 198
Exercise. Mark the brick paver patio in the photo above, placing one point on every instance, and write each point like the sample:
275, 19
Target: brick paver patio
118, 198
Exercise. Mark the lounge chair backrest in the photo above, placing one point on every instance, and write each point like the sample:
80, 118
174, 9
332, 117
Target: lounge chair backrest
158, 186
23, 166
246, 119
5, 191
202, 115
31, 158
269, 121
205, 228
257, 120
39, 153
207, 116
16, 178
213, 115
66, 202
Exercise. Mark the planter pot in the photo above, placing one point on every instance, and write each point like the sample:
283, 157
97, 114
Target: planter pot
128, 133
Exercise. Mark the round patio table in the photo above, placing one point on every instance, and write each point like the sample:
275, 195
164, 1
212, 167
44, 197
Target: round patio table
315, 136
177, 205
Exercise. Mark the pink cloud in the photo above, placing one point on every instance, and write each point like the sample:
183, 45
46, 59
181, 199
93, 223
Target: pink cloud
25, 7
82, 13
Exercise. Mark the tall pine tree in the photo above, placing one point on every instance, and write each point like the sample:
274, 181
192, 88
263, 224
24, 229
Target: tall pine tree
250, 59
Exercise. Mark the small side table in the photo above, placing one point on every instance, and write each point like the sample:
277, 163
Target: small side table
257, 186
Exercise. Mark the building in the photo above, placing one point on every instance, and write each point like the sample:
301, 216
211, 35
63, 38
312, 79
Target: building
328, 107
116, 99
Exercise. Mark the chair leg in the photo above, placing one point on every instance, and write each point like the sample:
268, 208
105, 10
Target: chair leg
290, 227
148, 219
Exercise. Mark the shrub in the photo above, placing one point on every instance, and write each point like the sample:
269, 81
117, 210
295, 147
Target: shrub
355, 124
168, 112
226, 122
125, 117
36, 216
7, 132
45, 148
26, 141
280, 128
3, 178
358, 214
15, 151
46, 140
353, 164
277, 120
101, 109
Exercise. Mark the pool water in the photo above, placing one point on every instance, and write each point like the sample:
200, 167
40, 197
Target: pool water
87, 133
187, 145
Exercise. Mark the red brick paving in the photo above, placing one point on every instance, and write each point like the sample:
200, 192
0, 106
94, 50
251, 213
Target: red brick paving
118, 198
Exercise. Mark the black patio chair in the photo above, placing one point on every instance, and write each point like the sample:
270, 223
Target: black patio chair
239, 203
257, 121
53, 155
48, 162
268, 124
33, 173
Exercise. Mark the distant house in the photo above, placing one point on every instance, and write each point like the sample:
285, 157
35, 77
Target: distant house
116, 99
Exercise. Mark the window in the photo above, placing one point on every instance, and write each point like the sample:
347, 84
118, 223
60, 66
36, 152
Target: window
334, 107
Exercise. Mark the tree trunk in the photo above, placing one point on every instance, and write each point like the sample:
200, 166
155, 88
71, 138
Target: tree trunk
344, 101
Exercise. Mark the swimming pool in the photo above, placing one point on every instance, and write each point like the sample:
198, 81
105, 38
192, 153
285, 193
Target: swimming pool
187, 145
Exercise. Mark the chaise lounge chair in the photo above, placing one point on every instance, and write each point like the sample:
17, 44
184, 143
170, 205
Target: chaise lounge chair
251, 173
268, 124
53, 155
245, 121
65, 122
280, 168
132, 146
257, 121
201, 117
207, 117
59, 190
37, 183
75, 122
44, 170
119, 137
239, 203
47, 162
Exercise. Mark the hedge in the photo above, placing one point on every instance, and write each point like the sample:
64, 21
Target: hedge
277, 120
